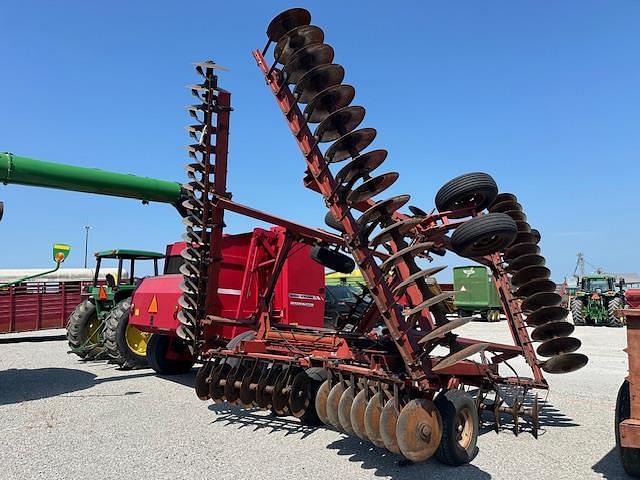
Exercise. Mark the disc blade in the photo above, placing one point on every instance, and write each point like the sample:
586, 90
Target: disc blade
528, 274
202, 381
430, 302
339, 123
459, 356
503, 197
419, 430
388, 420
519, 249
565, 363
185, 333
546, 314
523, 226
402, 287
317, 79
301, 395
400, 228
539, 300
350, 145
328, 101
381, 209
411, 250
552, 330
333, 400
518, 216
372, 187
505, 206
286, 21
361, 165
528, 260
306, 59
441, 331
535, 286
321, 402
358, 409
372, 419
295, 39
418, 212
344, 410
558, 346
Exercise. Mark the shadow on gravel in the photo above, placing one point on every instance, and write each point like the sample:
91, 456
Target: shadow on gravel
23, 385
609, 466
41, 338
372, 458
242, 418
385, 464
186, 379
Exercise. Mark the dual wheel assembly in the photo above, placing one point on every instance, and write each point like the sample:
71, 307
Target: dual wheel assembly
414, 427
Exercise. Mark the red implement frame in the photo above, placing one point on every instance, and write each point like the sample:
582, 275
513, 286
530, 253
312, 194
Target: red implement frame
630, 428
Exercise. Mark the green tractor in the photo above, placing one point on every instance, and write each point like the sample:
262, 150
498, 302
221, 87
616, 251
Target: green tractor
597, 300
95, 329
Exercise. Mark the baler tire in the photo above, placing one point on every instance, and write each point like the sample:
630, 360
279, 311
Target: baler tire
115, 332
450, 403
629, 457
615, 304
576, 312
157, 349
77, 324
484, 235
317, 375
478, 186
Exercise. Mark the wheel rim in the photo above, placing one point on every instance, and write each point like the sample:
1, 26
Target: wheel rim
464, 428
137, 340
93, 331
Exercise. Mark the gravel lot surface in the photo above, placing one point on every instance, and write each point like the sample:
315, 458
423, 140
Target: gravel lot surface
64, 419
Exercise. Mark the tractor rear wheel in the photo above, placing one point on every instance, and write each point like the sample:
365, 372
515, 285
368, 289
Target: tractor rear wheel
615, 320
84, 331
158, 347
126, 345
460, 427
577, 312
630, 457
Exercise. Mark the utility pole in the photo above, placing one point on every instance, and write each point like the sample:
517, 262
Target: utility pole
86, 243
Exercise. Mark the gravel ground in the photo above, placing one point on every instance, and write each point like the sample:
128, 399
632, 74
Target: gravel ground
65, 419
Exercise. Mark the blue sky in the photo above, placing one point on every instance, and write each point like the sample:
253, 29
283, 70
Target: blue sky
542, 95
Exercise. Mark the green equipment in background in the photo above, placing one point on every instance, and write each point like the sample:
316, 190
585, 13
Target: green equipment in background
476, 293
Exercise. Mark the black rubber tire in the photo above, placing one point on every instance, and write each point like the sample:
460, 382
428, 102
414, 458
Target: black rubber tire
330, 221
450, 452
317, 375
157, 349
476, 189
115, 341
629, 457
484, 235
616, 303
576, 312
77, 334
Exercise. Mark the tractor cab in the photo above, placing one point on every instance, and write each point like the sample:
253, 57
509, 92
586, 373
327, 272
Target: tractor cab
115, 288
598, 284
